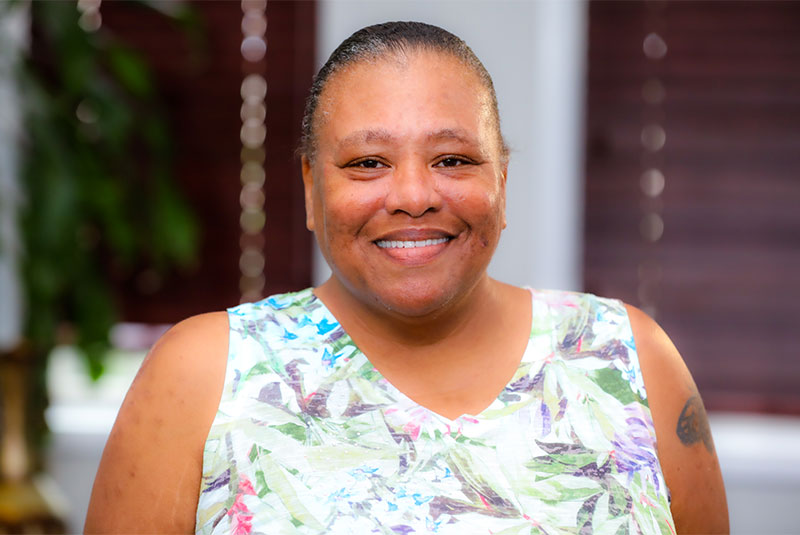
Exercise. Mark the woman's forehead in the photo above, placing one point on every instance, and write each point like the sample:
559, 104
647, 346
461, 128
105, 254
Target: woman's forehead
427, 94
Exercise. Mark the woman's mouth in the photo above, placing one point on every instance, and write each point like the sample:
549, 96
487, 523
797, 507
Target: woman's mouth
409, 244
414, 247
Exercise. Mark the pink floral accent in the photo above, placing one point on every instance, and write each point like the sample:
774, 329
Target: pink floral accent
644, 500
245, 487
412, 428
241, 517
417, 416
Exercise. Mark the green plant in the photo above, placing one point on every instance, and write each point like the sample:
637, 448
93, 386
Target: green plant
96, 179
98, 198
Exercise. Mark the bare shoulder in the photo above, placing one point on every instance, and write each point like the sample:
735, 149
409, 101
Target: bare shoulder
149, 476
685, 445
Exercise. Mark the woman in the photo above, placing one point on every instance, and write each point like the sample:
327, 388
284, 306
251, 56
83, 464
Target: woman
481, 408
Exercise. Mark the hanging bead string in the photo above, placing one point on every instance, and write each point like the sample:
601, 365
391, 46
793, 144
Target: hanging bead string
253, 135
90, 19
653, 139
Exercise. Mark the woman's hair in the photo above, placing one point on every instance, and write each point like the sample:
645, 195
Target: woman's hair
392, 38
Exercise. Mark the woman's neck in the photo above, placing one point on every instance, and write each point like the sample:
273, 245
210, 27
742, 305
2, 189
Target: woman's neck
367, 321
454, 362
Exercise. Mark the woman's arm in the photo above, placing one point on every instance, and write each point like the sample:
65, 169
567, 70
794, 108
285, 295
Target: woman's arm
149, 475
685, 447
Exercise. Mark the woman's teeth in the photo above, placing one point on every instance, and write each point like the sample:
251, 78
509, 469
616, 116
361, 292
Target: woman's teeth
385, 244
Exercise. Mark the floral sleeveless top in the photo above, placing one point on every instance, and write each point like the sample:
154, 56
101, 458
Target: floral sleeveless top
310, 438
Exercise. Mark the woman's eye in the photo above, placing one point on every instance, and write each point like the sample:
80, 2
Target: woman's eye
451, 162
368, 164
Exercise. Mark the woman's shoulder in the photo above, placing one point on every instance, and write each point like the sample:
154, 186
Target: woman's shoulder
200, 336
189, 358
153, 458
685, 446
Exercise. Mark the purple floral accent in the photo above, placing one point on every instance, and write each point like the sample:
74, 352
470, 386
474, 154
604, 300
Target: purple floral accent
562, 408
635, 449
543, 419
271, 394
219, 482
527, 383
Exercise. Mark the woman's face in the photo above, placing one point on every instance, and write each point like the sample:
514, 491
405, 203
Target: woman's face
406, 194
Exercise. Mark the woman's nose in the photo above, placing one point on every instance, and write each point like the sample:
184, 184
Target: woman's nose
413, 190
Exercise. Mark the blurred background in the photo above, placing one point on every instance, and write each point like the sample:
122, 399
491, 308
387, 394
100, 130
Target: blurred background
147, 174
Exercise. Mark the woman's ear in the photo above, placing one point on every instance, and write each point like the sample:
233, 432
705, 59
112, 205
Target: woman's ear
308, 187
504, 178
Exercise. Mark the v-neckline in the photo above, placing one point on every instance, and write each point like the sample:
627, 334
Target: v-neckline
403, 398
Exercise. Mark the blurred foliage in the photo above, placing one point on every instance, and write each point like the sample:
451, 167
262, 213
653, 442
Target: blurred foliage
97, 184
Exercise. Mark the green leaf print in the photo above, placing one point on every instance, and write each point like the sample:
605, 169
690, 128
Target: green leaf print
612, 382
520, 529
257, 450
620, 501
343, 457
558, 488
262, 489
265, 367
586, 514
558, 464
341, 343
623, 529
298, 432
283, 487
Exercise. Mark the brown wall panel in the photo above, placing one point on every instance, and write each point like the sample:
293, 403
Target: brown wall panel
729, 290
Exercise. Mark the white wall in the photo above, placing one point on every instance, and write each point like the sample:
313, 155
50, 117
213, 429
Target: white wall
535, 54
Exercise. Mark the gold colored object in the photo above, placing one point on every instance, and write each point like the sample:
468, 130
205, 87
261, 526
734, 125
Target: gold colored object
27, 499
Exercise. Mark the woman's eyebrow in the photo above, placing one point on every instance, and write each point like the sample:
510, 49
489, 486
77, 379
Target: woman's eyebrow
381, 135
366, 136
452, 134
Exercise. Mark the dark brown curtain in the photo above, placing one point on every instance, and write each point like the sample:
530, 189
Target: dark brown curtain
728, 291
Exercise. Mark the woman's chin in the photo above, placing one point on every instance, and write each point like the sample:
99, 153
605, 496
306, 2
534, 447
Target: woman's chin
416, 302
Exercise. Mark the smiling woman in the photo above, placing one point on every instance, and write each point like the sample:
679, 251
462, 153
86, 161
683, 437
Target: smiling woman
410, 392
420, 169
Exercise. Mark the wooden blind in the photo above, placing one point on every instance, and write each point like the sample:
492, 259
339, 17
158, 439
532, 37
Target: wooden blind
729, 256
202, 96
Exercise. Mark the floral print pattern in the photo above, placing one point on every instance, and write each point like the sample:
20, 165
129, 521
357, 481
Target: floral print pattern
310, 438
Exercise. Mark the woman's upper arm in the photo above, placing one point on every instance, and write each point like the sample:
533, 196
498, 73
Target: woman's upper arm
149, 475
685, 446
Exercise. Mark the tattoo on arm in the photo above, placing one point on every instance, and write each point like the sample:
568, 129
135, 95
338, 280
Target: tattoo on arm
693, 424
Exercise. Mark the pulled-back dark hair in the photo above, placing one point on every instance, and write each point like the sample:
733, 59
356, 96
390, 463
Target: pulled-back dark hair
392, 38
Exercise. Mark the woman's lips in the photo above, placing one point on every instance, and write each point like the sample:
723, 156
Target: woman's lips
409, 244
413, 248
